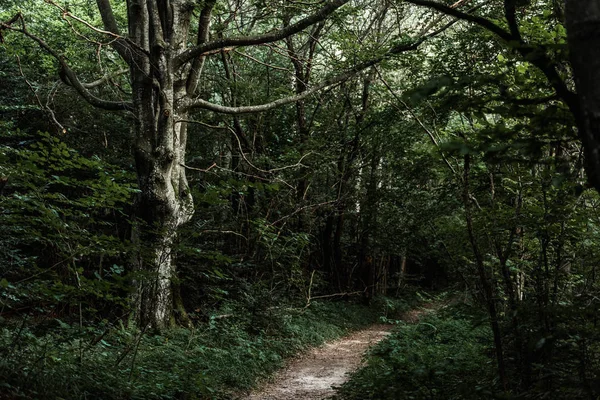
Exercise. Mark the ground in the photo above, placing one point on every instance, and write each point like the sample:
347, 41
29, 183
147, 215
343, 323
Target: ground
313, 375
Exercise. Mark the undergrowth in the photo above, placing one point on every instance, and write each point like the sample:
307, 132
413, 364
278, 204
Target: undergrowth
445, 355
229, 353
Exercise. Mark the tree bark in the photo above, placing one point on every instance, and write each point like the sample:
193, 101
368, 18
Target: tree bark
488, 290
583, 27
164, 202
164, 74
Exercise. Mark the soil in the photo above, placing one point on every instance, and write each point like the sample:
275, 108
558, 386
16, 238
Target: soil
313, 375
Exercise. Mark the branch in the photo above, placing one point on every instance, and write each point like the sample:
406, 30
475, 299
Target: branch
301, 209
203, 36
105, 78
66, 71
66, 13
199, 169
510, 12
326, 84
416, 118
108, 18
329, 83
483, 22
525, 101
270, 37
256, 60
119, 43
533, 54
37, 97
270, 171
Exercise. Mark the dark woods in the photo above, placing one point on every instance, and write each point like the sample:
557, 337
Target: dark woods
215, 185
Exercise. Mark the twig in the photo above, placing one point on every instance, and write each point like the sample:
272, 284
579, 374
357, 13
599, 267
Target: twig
37, 97
128, 348
325, 296
269, 171
416, 118
230, 232
66, 13
303, 208
137, 346
308, 296
261, 62
199, 169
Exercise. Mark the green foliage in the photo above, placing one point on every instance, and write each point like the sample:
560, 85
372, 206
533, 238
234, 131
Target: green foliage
439, 357
62, 213
225, 355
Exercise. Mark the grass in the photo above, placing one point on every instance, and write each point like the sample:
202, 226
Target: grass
444, 355
217, 359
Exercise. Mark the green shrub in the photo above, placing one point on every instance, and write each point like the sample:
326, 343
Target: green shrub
213, 361
440, 357
61, 243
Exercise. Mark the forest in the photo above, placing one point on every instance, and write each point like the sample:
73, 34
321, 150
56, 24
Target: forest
196, 193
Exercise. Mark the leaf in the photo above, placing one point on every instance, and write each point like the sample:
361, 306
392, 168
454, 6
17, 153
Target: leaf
540, 343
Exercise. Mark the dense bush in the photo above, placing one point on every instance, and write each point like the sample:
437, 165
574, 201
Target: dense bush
443, 356
62, 246
224, 355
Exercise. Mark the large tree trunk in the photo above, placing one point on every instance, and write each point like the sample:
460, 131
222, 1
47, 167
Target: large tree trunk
164, 202
583, 25
163, 205
165, 71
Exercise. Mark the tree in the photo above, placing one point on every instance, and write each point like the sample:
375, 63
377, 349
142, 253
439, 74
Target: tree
164, 73
583, 20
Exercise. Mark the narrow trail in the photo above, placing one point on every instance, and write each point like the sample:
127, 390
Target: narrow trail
313, 375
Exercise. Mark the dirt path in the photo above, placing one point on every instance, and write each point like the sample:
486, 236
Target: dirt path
312, 376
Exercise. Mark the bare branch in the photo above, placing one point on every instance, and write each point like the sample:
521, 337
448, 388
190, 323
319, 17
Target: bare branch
327, 84
324, 85
274, 36
105, 78
325, 203
119, 43
37, 97
261, 62
203, 35
270, 171
213, 165
66, 72
66, 13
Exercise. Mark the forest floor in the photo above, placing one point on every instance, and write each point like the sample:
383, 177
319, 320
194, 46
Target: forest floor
314, 374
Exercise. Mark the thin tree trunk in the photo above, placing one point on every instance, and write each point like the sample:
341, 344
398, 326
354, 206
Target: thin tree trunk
488, 290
